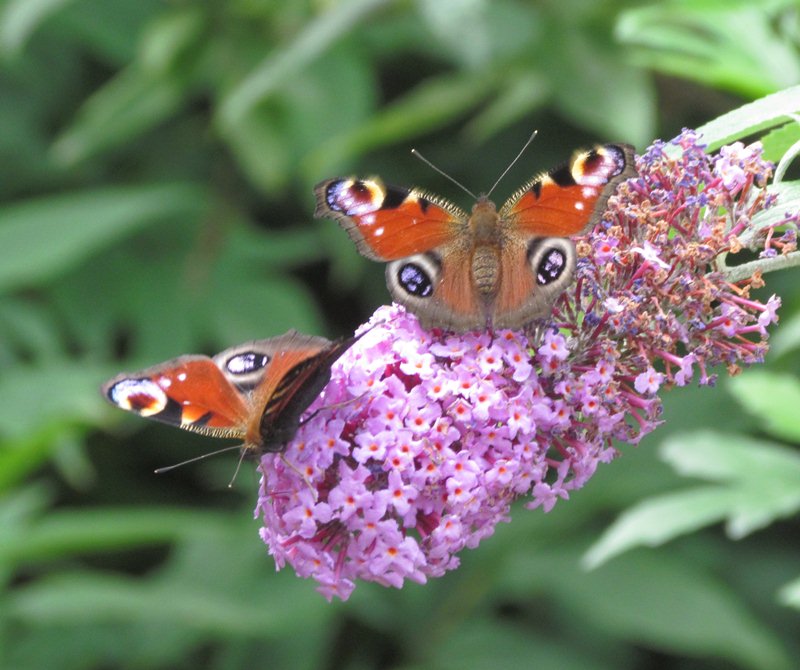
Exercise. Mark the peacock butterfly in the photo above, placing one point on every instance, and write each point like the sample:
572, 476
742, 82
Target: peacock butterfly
489, 269
255, 392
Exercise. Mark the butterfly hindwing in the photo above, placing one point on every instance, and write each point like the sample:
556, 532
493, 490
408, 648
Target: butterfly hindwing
437, 287
299, 368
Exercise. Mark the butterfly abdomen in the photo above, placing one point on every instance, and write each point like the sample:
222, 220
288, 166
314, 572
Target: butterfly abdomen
486, 270
486, 250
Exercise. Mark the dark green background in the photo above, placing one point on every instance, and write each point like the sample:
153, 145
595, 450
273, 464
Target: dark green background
156, 167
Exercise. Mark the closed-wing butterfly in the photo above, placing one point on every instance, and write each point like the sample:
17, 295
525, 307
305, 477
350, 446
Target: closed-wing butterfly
488, 269
255, 392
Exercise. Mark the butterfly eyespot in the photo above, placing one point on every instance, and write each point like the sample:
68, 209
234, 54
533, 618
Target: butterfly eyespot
142, 396
551, 267
552, 260
246, 363
354, 197
596, 168
414, 280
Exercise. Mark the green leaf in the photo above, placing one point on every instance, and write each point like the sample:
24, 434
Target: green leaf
732, 46
69, 533
318, 35
129, 105
277, 250
142, 95
42, 238
40, 400
724, 457
21, 18
773, 398
19, 460
787, 338
86, 598
170, 39
205, 587
282, 303
70, 460
654, 600
247, 296
777, 142
270, 143
759, 482
19, 507
428, 106
29, 328
108, 30
486, 643
591, 67
519, 96
790, 594
46, 408
767, 112
460, 27
658, 520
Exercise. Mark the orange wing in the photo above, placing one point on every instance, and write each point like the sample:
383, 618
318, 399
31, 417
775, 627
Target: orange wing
256, 391
387, 222
299, 370
570, 198
190, 392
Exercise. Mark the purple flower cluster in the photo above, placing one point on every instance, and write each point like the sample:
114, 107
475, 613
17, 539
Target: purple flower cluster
423, 439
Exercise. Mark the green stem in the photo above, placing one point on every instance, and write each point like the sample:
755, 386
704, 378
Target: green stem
739, 272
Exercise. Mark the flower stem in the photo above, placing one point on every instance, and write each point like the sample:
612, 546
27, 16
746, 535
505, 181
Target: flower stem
739, 272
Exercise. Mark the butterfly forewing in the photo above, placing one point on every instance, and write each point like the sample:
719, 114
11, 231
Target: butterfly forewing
388, 222
190, 392
568, 199
256, 391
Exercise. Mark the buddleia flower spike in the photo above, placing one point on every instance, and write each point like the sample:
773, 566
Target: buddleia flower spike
450, 429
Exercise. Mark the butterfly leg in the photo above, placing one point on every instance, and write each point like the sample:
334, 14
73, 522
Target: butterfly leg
301, 474
332, 406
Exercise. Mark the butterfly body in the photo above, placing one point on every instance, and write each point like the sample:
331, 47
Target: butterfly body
255, 392
491, 268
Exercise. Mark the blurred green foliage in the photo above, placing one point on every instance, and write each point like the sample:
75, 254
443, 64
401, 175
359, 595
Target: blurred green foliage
156, 163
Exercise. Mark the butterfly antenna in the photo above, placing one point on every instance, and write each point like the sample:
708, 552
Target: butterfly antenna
161, 471
443, 173
238, 467
512, 163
